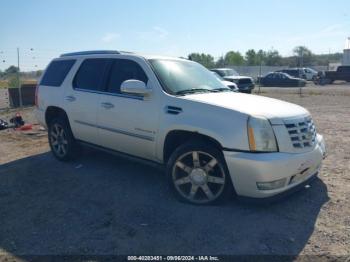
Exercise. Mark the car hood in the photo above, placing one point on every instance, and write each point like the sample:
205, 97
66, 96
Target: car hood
228, 83
273, 109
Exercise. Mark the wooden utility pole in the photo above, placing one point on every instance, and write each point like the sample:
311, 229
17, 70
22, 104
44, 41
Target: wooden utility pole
19, 81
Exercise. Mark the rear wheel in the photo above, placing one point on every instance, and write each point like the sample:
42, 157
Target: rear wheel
197, 173
61, 140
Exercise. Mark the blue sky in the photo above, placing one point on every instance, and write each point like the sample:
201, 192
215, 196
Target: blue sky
168, 27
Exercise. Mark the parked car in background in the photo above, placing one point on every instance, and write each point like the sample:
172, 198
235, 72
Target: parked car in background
173, 112
229, 84
328, 77
245, 84
310, 74
281, 80
294, 72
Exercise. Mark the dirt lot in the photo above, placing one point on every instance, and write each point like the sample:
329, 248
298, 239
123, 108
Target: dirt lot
101, 204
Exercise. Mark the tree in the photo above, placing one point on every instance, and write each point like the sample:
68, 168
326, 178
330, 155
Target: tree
204, 59
261, 55
220, 62
38, 73
303, 55
290, 61
11, 70
234, 58
13, 81
273, 58
252, 58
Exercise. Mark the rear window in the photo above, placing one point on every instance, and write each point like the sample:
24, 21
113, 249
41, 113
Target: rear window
56, 72
91, 73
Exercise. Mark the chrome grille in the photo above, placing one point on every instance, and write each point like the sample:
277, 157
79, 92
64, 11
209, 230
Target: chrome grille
302, 132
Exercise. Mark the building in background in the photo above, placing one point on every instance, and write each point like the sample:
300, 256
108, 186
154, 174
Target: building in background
346, 55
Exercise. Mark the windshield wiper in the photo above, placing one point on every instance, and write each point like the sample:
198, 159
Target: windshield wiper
221, 89
192, 91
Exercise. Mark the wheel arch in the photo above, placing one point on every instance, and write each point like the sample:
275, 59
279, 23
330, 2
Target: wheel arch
53, 112
175, 138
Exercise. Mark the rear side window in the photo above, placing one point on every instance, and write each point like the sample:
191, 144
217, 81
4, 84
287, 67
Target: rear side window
56, 72
343, 69
122, 70
90, 74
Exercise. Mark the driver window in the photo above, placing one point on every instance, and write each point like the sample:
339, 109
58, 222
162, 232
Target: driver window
122, 70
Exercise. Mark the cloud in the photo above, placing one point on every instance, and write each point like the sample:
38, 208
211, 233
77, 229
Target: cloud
156, 33
162, 33
330, 31
109, 37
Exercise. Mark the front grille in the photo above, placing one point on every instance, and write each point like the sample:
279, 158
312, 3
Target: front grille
244, 81
302, 132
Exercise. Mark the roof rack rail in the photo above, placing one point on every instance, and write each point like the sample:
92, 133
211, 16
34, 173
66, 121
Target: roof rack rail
95, 52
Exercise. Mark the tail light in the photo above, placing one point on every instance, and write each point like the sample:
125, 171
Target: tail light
36, 96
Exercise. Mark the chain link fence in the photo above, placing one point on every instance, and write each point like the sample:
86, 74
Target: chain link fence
255, 71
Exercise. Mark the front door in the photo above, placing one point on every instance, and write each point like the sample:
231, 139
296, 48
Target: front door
127, 123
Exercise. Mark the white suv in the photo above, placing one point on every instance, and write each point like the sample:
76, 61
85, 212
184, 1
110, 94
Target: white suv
174, 112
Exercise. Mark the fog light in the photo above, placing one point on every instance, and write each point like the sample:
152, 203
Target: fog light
272, 184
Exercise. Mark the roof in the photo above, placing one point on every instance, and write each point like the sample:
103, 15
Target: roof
115, 52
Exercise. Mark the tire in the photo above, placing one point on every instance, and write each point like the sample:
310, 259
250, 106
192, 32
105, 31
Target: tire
61, 140
197, 174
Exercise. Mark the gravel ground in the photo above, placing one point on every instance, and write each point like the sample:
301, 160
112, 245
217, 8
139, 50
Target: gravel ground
101, 204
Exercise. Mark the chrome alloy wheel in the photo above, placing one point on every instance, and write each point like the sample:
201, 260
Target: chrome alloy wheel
199, 177
58, 140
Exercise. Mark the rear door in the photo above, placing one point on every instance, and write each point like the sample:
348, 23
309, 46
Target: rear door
284, 80
272, 80
82, 98
267, 80
128, 123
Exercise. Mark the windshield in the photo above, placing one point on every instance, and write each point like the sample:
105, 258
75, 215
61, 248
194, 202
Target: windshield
228, 72
180, 77
218, 76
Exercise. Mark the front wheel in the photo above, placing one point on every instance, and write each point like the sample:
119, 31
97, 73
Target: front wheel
197, 173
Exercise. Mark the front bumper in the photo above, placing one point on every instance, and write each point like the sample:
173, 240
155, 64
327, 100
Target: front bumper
245, 87
248, 169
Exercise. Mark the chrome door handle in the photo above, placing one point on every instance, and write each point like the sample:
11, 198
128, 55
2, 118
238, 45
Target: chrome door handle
70, 98
107, 105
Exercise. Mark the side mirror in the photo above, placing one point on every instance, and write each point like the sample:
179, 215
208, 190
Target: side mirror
135, 87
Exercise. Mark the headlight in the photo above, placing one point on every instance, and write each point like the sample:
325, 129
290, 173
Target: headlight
260, 134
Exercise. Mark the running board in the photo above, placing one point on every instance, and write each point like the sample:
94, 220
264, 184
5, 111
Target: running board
124, 155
